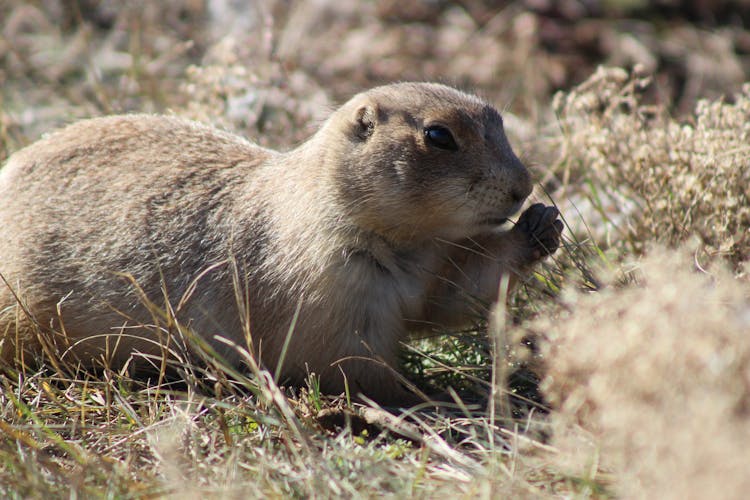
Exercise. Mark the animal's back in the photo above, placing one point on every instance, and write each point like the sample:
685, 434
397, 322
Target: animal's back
142, 194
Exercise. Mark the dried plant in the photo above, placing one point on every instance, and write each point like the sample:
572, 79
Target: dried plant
659, 374
653, 178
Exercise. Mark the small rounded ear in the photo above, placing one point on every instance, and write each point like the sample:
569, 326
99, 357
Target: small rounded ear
365, 121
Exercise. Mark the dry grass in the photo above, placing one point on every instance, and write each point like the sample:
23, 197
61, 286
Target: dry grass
658, 373
649, 377
238, 436
644, 352
653, 178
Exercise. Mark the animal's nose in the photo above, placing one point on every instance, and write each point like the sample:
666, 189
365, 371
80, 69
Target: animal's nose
518, 196
522, 186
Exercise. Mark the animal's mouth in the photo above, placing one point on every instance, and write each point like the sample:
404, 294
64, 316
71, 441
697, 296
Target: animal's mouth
498, 216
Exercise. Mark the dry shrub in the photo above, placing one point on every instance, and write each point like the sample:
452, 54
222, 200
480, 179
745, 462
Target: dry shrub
246, 89
659, 375
351, 46
61, 60
652, 177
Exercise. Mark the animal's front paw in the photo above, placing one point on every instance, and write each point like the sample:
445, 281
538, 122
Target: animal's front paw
541, 229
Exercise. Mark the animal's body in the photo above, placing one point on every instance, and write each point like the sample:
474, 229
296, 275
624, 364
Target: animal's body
384, 222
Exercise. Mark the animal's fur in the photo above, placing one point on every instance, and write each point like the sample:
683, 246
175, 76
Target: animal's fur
367, 230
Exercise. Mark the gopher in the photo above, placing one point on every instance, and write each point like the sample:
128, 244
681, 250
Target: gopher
322, 259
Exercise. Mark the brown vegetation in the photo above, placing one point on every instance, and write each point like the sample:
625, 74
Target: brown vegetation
658, 373
656, 178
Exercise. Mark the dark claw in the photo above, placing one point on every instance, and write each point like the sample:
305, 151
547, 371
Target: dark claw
542, 228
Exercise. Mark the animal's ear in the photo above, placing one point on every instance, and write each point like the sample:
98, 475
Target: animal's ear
365, 118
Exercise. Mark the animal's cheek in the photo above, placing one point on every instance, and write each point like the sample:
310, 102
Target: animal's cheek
489, 194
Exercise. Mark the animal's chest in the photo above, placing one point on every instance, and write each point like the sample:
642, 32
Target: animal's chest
394, 288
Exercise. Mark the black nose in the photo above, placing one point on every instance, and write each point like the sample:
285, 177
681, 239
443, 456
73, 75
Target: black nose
521, 180
523, 185
519, 195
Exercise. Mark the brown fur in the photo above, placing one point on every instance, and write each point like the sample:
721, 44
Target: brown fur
367, 229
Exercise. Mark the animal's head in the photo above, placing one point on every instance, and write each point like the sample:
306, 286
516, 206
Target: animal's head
423, 160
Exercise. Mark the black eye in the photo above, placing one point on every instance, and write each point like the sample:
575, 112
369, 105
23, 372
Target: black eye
440, 137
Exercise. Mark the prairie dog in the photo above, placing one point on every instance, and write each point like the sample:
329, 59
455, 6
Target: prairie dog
385, 222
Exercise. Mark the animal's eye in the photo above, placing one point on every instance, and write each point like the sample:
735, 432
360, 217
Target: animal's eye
440, 137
